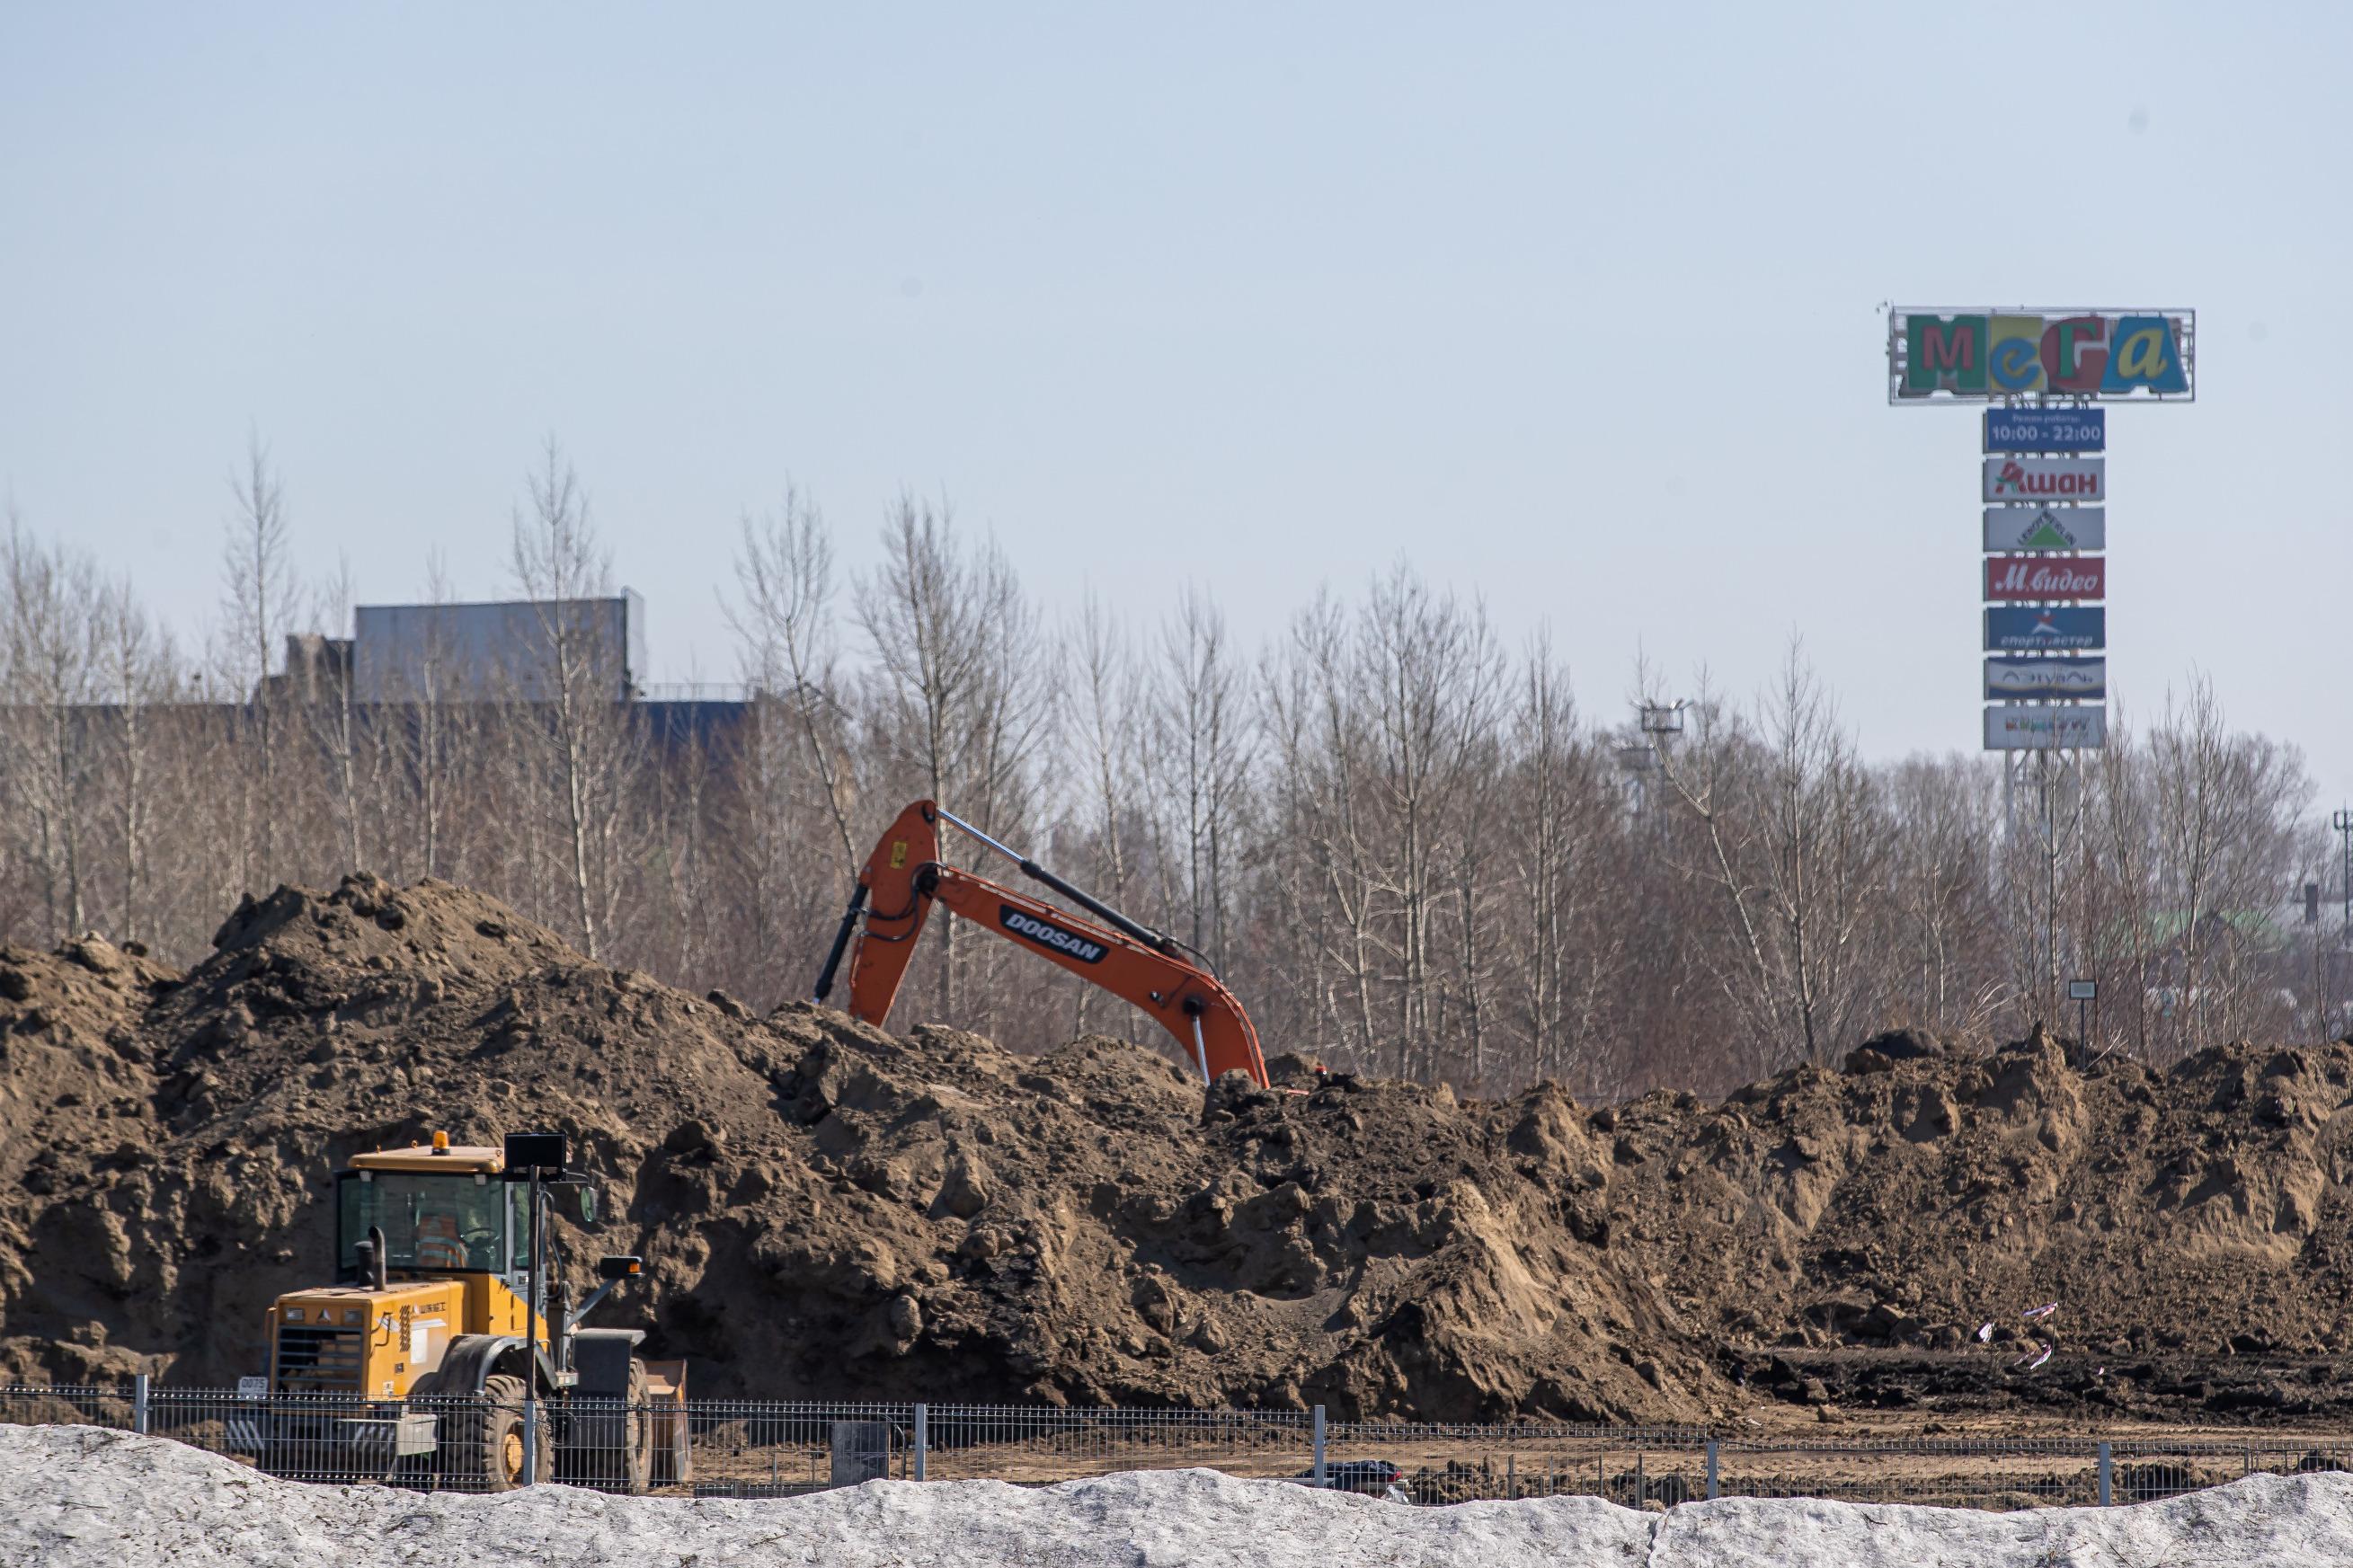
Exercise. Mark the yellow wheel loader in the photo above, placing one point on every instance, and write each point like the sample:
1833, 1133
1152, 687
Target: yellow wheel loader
442, 1356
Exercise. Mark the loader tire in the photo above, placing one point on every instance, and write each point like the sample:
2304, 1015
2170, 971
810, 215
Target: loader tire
483, 1450
607, 1442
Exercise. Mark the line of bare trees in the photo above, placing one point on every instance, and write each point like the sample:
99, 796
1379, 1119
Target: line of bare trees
1394, 832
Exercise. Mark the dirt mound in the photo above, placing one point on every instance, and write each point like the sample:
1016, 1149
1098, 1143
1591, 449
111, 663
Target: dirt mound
829, 1210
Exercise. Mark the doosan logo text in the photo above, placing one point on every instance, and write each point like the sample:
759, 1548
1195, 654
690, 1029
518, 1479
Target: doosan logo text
2027, 577
1045, 934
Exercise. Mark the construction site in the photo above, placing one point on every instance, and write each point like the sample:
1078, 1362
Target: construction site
830, 1210
941, 787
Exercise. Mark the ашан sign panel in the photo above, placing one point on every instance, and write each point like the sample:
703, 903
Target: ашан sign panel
2015, 577
2036, 481
1984, 355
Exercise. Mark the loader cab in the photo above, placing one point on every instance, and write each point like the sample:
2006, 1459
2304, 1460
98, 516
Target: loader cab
443, 1209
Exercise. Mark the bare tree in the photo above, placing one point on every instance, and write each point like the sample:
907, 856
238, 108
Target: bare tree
52, 652
1102, 721
1201, 755
575, 676
260, 593
784, 626
326, 697
1793, 843
1566, 961
964, 676
1944, 827
2226, 806
136, 675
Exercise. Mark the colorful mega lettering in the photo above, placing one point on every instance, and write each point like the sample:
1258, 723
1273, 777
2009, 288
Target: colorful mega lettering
1992, 354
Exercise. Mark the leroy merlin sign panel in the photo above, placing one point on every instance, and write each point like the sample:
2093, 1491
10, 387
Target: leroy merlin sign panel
1986, 355
2046, 528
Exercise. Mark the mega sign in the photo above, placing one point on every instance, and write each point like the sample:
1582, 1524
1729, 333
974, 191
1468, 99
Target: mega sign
2046, 528
2037, 479
2012, 577
2046, 628
1988, 355
2012, 728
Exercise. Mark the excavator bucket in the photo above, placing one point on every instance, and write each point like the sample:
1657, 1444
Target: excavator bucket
895, 909
673, 1443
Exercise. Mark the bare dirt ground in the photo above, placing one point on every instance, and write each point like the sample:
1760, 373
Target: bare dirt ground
832, 1211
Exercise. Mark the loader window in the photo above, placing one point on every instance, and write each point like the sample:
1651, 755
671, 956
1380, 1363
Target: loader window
430, 1222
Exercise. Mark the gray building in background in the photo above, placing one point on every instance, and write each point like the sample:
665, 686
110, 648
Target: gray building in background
495, 652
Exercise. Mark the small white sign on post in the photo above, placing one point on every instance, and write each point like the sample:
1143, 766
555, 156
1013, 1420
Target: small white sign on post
253, 1388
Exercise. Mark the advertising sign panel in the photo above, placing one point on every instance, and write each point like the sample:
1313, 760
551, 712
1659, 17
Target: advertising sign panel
2041, 479
1984, 355
2046, 628
2046, 429
2046, 528
2010, 728
2021, 680
2012, 577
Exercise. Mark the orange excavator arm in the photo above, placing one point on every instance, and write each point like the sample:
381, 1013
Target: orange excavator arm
905, 877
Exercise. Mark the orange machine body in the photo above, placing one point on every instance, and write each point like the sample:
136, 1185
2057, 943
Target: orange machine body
905, 877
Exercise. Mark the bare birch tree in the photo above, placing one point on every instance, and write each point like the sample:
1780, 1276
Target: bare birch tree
52, 648
784, 627
963, 678
260, 597
1200, 753
575, 681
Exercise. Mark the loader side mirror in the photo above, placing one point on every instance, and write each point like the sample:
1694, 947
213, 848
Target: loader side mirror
588, 1204
616, 1267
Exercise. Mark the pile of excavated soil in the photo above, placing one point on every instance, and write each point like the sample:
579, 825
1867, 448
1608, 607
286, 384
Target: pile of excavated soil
79, 1497
829, 1210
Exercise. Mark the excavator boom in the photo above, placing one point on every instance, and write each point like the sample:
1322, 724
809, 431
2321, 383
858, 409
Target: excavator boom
905, 877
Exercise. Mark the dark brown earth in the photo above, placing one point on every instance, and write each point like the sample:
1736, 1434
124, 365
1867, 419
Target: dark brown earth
832, 1211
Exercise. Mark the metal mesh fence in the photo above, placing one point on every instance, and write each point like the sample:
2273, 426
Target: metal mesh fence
1041, 1443
752, 1448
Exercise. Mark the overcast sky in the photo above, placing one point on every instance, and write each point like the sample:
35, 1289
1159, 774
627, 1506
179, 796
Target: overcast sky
1577, 309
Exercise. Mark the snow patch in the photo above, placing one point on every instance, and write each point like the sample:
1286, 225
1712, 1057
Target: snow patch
79, 1496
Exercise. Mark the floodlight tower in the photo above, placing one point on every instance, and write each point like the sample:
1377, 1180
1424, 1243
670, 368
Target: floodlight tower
2343, 823
1639, 761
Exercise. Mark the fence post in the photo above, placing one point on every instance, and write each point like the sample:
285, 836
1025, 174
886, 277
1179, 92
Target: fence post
1319, 1446
1712, 1493
923, 1437
139, 1403
2106, 1477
